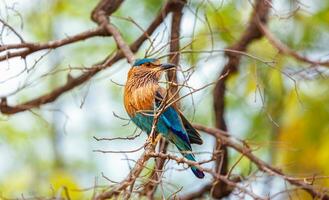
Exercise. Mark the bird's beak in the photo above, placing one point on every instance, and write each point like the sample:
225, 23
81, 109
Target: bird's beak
165, 66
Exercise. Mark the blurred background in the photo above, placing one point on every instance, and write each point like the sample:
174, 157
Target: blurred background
282, 109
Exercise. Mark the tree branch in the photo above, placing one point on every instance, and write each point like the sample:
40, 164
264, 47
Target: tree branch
217, 176
105, 7
131, 178
24, 49
100, 15
151, 186
284, 49
263, 166
87, 75
251, 33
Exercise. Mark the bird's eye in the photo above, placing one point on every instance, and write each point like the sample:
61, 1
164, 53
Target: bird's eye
147, 64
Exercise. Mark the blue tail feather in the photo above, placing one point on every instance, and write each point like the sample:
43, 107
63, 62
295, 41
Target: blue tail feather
198, 173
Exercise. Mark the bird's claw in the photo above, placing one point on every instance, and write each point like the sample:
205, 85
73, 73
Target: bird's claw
153, 140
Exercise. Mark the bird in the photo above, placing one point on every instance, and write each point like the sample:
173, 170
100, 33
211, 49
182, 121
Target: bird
143, 95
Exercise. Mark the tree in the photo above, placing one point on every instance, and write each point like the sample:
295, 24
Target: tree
261, 83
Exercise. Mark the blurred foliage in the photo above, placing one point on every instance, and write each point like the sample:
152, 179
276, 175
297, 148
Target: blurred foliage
282, 108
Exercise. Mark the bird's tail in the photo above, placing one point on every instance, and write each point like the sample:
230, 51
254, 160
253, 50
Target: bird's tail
198, 173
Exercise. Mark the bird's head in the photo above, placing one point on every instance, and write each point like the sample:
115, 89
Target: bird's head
148, 68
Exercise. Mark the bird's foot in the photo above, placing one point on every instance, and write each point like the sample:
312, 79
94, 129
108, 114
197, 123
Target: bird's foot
153, 140
157, 139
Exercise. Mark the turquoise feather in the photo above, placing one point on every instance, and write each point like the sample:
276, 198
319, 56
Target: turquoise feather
171, 127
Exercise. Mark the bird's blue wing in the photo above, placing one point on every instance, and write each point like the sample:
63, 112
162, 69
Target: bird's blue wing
171, 119
145, 121
171, 126
177, 134
193, 135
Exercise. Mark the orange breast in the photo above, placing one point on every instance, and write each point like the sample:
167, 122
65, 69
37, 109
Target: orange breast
139, 99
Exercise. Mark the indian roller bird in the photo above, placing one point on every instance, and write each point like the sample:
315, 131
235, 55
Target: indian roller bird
143, 96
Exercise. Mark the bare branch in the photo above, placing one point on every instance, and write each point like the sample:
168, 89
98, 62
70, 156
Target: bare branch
100, 16
105, 7
210, 171
12, 29
263, 166
133, 175
284, 49
24, 49
87, 75
251, 33
156, 174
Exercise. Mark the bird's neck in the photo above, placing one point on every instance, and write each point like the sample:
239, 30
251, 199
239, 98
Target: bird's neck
139, 80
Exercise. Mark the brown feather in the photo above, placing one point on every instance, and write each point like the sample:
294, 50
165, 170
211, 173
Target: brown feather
140, 89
